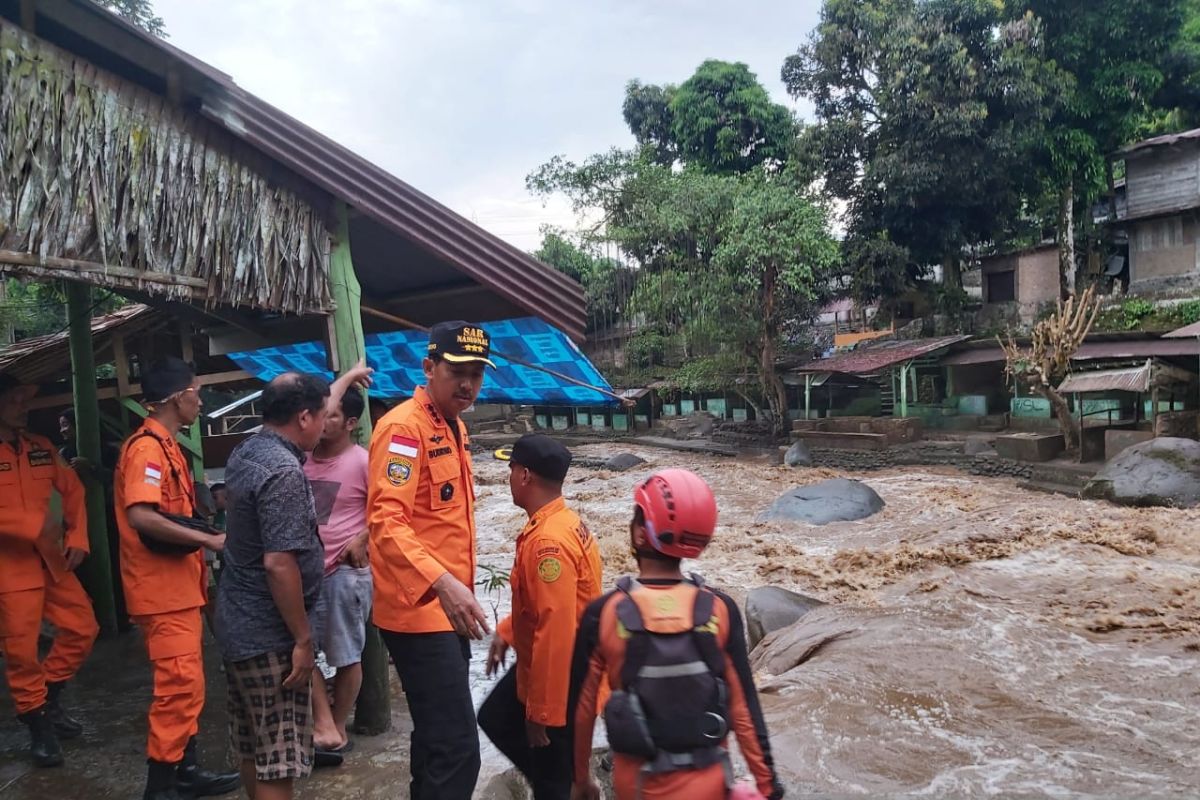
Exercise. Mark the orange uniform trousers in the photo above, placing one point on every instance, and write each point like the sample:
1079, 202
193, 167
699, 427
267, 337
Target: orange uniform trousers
66, 605
173, 644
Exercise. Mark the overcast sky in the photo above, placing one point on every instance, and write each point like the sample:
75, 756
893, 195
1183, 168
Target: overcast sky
463, 99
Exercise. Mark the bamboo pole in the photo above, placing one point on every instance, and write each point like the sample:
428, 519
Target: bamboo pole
97, 568
373, 712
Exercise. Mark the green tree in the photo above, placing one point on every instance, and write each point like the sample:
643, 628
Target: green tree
1119, 56
606, 282
138, 12
927, 111
647, 112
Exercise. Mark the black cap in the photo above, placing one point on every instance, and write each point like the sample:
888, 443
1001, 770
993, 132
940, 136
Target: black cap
545, 457
460, 342
165, 378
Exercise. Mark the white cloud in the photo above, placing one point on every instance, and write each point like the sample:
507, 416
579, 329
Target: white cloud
463, 98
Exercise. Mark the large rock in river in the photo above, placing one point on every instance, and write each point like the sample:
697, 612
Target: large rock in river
623, 461
834, 500
769, 608
798, 455
1158, 472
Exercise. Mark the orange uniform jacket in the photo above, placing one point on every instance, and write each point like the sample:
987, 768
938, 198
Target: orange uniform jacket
28, 473
555, 575
421, 514
599, 654
153, 470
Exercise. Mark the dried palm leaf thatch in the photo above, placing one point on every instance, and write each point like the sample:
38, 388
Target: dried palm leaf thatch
105, 181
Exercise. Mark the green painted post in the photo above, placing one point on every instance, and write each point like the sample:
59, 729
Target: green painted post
96, 571
373, 712
904, 390
808, 378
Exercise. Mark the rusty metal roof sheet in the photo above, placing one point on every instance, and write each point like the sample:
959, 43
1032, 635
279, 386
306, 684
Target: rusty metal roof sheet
1130, 379
41, 357
485, 258
1160, 141
872, 357
1088, 351
1184, 332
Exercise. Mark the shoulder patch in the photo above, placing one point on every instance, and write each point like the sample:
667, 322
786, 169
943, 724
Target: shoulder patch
403, 446
548, 550
549, 569
399, 470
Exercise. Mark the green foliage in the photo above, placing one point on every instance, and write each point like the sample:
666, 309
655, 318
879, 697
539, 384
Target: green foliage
712, 373
928, 111
37, 309
494, 580
1137, 313
138, 12
723, 121
606, 282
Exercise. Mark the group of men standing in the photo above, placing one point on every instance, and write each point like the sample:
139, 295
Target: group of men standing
322, 534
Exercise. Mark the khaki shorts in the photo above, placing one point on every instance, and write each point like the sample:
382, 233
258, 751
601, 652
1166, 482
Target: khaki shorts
269, 724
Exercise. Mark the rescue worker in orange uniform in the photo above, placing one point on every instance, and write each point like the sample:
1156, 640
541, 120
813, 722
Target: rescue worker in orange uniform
421, 518
673, 651
163, 570
555, 575
37, 575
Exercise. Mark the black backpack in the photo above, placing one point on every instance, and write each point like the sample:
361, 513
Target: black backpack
672, 707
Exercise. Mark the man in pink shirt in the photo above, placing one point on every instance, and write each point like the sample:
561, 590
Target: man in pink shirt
337, 471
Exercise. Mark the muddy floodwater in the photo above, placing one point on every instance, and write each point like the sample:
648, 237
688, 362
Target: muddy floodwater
979, 639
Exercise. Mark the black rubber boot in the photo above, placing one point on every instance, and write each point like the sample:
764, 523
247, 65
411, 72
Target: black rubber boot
193, 781
43, 744
160, 781
64, 724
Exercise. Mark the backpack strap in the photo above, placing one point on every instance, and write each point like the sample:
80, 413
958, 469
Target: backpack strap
705, 635
630, 617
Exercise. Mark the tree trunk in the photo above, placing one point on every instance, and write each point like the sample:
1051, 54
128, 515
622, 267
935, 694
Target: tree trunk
773, 388
1066, 239
952, 273
1071, 428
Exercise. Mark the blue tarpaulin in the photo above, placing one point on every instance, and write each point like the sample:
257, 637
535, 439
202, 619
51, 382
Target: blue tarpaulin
396, 358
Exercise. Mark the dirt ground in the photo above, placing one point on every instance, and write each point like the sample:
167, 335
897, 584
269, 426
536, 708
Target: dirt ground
979, 639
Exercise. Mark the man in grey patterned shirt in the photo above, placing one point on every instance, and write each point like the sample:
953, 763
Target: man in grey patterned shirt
271, 581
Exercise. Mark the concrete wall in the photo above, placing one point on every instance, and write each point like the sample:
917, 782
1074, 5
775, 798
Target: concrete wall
1037, 277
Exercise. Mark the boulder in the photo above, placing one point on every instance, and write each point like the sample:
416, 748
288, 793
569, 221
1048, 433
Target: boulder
798, 455
769, 608
1159, 472
833, 500
978, 447
698, 425
623, 461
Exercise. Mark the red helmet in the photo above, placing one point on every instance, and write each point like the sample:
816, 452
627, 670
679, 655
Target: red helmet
680, 512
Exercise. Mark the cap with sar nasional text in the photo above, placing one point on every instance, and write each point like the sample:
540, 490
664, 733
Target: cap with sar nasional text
543, 456
460, 342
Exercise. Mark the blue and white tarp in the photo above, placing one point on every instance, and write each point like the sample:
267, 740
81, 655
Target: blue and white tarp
396, 358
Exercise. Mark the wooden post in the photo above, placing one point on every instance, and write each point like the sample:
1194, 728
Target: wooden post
373, 712
808, 379
96, 571
904, 390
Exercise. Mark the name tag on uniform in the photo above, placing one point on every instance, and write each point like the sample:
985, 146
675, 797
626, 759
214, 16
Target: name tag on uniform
5, 466
41, 458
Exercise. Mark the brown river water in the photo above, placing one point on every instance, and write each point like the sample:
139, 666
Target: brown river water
980, 638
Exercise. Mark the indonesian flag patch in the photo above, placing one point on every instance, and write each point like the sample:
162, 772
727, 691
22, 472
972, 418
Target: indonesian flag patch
153, 473
403, 446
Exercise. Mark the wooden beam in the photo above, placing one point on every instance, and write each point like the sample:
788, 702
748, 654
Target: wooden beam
96, 570
110, 392
31, 261
121, 361
373, 712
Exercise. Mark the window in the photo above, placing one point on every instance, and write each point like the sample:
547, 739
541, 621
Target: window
1002, 286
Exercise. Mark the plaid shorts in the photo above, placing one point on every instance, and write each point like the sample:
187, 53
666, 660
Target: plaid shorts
268, 723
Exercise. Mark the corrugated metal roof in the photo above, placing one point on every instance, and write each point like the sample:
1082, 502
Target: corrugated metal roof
1130, 379
1184, 332
1088, 351
41, 357
1161, 141
868, 359
485, 258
